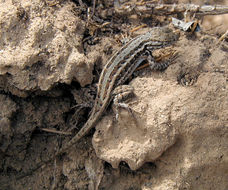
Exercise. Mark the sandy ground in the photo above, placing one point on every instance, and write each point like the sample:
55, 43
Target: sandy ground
176, 135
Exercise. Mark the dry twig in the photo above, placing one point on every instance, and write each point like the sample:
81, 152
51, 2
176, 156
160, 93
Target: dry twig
169, 9
55, 131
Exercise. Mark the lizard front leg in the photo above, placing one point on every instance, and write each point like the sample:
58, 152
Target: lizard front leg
155, 65
120, 94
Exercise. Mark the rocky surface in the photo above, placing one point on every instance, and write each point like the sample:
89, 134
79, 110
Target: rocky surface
175, 136
41, 46
180, 124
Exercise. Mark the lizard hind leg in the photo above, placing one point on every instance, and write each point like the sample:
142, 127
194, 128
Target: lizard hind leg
120, 94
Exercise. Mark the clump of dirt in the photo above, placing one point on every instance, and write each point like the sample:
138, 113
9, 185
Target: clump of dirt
41, 46
174, 135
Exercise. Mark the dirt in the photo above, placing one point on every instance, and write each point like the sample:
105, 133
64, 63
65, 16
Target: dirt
174, 137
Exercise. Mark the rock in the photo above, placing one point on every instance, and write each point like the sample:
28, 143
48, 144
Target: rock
40, 48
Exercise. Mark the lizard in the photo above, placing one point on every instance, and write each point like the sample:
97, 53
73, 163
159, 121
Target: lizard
117, 70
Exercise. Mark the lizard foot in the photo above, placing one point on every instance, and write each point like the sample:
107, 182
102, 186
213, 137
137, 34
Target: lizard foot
122, 93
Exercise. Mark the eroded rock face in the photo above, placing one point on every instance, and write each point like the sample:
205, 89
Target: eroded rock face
41, 47
145, 135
